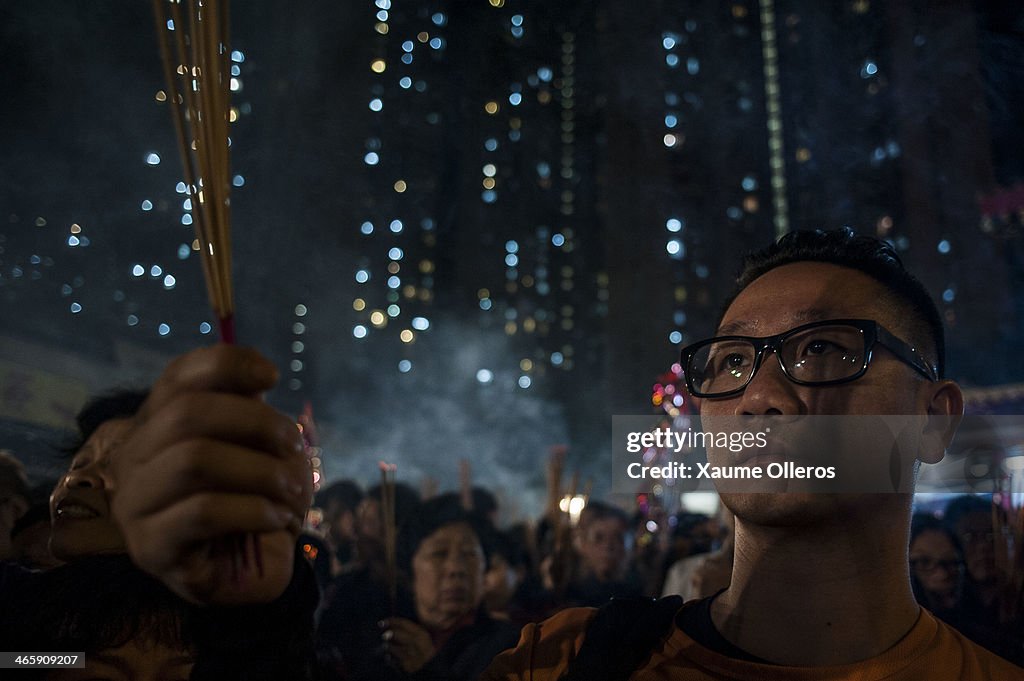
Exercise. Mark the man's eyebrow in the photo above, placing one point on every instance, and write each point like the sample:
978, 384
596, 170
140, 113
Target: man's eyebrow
749, 327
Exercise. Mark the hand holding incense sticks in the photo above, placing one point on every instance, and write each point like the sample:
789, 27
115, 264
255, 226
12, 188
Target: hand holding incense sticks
193, 468
193, 36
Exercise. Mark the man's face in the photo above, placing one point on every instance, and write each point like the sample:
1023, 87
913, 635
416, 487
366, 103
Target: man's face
789, 296
602, 547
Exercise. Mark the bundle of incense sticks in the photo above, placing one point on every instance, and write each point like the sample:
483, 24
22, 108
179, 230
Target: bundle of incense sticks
193, 37
387, 509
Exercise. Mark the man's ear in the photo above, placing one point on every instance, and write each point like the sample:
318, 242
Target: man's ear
945, 411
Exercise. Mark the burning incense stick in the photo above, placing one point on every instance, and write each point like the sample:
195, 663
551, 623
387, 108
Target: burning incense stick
193, 37
387, 508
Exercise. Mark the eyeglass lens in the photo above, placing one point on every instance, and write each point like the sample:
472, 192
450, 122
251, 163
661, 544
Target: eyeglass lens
817, 355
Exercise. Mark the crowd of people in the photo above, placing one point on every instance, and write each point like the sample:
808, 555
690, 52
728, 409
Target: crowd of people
184, 539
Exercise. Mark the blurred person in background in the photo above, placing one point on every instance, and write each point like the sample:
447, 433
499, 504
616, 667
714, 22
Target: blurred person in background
14, 493
358, 598
936, 567
339, 502
970, 519
599, 570
939, 578
30, 537
505, 574
444, 550
442, 631
705, 574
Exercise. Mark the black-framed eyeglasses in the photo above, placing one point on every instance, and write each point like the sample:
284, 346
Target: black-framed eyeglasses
827, 352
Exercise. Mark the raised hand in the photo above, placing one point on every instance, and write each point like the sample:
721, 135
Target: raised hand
207, 459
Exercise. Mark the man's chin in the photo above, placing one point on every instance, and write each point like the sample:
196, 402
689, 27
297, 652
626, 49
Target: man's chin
789, 509
799, 509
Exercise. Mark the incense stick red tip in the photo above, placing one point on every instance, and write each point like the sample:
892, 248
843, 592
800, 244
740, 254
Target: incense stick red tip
227, 329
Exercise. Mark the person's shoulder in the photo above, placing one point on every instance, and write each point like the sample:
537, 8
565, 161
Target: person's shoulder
678, 576
976, 662
544, 649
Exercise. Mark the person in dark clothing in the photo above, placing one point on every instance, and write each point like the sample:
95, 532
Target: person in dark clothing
506, 573
259, 638
339, 502
125, 623
30, 539
969, 518
936, 566
14, 499
601, 544
938, 576
439, 630
347, 632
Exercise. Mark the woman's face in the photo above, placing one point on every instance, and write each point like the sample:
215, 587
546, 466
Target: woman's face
937, 566
79, 505
448, 576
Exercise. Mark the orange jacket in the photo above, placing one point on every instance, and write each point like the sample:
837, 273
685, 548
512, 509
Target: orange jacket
931, 651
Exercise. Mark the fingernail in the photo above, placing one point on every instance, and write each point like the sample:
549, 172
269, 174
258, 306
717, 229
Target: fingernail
382, 624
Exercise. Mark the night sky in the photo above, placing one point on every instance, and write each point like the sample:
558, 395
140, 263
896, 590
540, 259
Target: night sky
478, 229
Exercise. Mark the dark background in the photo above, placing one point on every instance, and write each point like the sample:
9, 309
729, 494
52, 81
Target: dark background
636, 150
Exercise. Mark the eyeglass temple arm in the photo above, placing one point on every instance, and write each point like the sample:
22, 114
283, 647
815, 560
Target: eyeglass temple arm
907, 353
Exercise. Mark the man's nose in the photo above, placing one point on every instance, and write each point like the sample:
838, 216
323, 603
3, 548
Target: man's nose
770, 392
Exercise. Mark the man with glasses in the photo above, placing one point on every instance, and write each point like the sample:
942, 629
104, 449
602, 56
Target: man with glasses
822, 323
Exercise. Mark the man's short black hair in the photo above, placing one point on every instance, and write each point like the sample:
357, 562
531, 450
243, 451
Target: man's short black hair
874, 257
